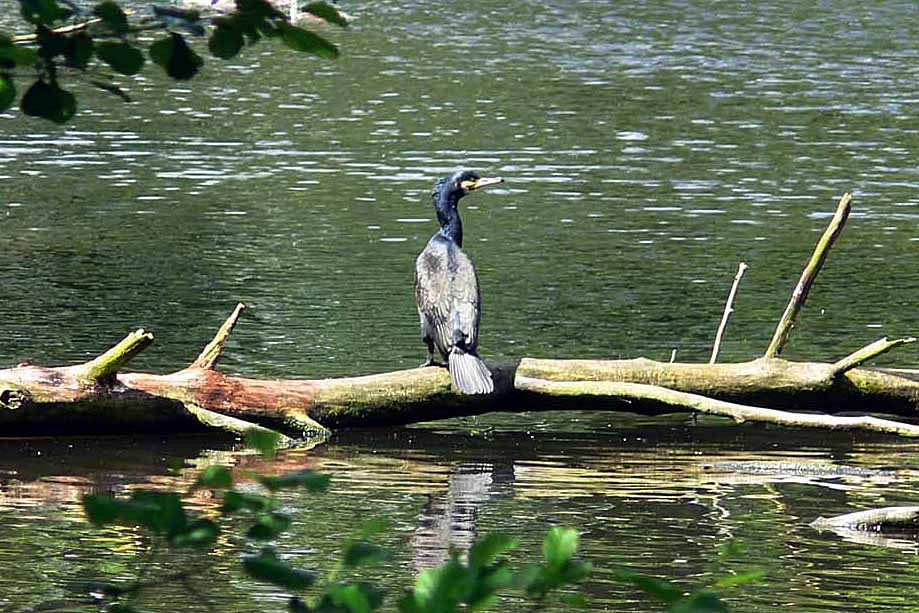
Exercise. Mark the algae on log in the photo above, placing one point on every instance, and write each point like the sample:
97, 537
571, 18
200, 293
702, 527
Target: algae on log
97, 397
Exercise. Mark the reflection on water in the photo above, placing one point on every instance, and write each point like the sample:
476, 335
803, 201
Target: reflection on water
659, 500
647, 148
450, 520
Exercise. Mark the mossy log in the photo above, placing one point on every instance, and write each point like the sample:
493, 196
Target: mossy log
98, 397
40, 399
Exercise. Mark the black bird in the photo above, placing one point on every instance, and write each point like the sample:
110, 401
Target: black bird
447, 289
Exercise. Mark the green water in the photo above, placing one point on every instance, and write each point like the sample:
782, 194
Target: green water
648, 148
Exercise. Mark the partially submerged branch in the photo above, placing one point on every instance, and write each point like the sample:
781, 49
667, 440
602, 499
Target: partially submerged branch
740, 413
895, 519
234, 425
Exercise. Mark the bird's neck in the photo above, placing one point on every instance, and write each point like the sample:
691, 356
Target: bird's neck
451, 226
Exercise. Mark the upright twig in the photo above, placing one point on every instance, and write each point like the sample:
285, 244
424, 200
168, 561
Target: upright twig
799, 296
728, 309
208, 357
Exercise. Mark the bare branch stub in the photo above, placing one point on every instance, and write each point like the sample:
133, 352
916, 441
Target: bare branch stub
868, 352
799, 296
107, 365
209, 356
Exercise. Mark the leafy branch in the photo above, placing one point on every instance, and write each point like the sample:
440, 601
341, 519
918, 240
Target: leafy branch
67, 39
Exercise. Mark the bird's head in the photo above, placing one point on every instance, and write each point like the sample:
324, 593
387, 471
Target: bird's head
451, 189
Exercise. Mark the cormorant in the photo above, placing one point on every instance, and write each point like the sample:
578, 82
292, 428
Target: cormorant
447, 289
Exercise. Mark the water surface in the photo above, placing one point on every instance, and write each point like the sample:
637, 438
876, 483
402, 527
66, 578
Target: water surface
647, 148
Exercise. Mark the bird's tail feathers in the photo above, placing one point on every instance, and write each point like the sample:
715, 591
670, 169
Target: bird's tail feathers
469, 373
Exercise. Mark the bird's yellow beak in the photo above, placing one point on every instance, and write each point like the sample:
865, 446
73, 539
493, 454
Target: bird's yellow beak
480, 183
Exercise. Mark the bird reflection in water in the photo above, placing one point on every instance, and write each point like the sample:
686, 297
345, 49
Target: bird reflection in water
449, 520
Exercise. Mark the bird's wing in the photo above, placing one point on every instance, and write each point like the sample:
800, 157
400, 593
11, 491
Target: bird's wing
433, 296
466, 301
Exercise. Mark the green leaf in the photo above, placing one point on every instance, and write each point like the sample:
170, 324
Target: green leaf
268, 567
259, 8
739, 579
214, 477
226, 41
176, 57
50, 43
79, 50
41, 12
199, 533
560, 545
732, 549
482, 593
351, 598
487, 549
121, 56
439, 589
576, 601
48, 101
16, 54
326, 12
160, 512
305, 41
575, 571
658, 588
361, 552
101, 509
699, 602
7, 92
112, 16
310, 480
234, 501
268, 526
264, 441
270, 28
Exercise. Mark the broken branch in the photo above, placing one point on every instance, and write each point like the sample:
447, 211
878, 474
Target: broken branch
209, 356
799, 296
868, 352
109, 363
728, 309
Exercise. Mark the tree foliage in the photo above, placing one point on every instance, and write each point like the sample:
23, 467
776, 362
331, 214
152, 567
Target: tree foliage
102, 44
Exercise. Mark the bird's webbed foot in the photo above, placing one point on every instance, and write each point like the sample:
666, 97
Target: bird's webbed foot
432, 362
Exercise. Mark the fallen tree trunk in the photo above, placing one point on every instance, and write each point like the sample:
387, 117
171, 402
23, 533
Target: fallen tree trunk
98, 397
